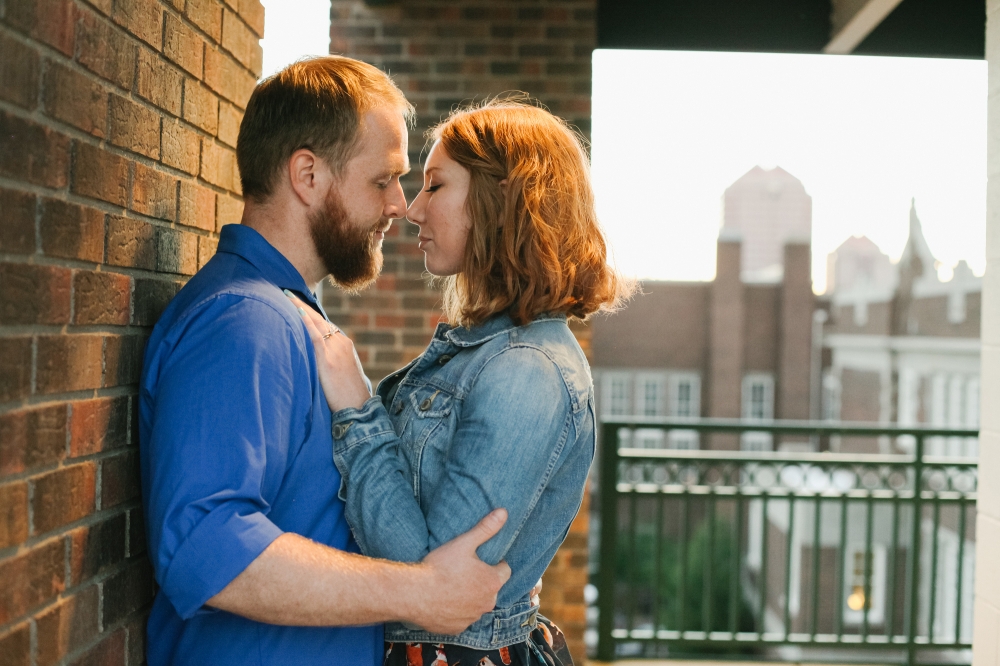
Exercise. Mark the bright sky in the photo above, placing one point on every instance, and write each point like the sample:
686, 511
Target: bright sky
292, 29
672, 130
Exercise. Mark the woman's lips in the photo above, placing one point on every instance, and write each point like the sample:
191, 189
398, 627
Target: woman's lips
422, 242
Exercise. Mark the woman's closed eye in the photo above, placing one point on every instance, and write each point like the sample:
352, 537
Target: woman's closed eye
433, 188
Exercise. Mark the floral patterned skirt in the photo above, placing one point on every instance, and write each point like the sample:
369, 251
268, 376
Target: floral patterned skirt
546, 646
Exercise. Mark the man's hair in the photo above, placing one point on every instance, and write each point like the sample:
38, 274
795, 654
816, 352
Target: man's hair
535, 246
315, 103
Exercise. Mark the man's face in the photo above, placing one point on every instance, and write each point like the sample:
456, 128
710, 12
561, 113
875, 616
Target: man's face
362, 202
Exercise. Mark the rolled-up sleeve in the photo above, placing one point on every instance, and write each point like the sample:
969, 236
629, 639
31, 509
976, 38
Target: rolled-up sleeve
223, 417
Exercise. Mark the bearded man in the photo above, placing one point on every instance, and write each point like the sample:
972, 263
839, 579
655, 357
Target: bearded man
252, 554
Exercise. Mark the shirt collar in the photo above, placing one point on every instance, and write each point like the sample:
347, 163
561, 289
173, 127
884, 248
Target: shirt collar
491, 328
247, 243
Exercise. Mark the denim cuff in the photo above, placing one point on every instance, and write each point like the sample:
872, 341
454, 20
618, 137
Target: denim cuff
353, 427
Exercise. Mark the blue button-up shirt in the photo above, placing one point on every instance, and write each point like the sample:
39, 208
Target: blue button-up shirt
235, 450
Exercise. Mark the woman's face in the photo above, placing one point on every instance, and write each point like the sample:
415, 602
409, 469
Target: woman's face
439, 211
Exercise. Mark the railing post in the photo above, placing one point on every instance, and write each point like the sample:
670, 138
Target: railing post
609, 533
918, 472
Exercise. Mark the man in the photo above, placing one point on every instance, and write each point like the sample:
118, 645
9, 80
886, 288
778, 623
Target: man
250, 547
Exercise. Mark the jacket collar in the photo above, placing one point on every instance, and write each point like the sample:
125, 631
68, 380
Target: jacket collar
489, 329
247, 243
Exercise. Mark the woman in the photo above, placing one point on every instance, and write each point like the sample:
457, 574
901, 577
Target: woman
499, 409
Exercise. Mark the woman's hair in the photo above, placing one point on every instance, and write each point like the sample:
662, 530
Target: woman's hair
535, 245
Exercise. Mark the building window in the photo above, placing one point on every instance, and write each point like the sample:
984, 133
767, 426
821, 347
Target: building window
864, 571
616, 394
650, 394
758, 405
685, 402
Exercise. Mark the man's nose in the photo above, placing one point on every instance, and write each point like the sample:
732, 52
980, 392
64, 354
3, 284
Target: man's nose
396, 205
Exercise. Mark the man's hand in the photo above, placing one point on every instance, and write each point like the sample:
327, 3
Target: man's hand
459, 587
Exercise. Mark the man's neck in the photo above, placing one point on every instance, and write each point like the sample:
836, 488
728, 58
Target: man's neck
288, 231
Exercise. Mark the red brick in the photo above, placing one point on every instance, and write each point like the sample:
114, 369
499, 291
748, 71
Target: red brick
197, 206
178, 252
123, 355
17, 233
134, 127
181, 148
131, 243
34, 294
226, 77
109, 652
71, 231
49, 21
15, 646
252, 12
136, 639
159, 83
229, 123
18, 72
100, 174
31, 579
207, 15
207, 247
119, 479
98, 425
142, 18
68, 363
15, 370
184, 46
228, 211
63, 496
154, 193
217, 163
68, 625
103, 6
237, 38
201, 107
33, 438
105, 50
13, 514
76, 99
32, 153
101, 298
127, 591
151, 299
97, 547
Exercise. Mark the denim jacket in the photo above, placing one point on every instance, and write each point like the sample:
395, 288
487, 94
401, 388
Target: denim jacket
492, 416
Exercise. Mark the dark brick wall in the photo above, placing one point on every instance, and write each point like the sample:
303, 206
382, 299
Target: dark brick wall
117, 130
441, 53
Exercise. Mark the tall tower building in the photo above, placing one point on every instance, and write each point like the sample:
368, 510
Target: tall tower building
766, 209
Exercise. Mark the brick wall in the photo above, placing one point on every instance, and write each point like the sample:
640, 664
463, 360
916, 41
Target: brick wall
441, 53
118, 120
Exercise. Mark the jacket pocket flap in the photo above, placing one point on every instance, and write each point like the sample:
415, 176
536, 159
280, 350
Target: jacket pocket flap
429, 402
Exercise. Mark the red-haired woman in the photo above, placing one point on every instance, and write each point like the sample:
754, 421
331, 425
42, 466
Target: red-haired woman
498, 412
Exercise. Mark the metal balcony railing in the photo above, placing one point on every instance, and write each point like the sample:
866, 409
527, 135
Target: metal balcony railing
786, 555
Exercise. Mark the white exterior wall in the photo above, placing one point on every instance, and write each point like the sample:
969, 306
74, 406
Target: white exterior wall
986, 638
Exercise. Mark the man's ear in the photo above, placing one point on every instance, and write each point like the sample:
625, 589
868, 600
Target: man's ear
309, 176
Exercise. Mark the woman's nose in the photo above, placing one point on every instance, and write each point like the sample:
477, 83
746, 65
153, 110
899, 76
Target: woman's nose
415, 213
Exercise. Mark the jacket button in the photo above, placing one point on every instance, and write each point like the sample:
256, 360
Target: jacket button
425, 404
399, 408
340, 430
444, 359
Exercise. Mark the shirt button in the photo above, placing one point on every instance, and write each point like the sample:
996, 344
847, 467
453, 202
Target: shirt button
444, 359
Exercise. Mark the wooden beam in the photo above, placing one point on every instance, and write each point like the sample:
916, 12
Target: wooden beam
865, 18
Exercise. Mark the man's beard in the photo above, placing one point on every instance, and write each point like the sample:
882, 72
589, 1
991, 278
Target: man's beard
352, 255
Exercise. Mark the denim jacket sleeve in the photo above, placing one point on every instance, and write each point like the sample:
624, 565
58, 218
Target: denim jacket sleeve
515, 420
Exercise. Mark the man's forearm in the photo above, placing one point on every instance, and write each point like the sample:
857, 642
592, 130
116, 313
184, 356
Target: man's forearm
296, 581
